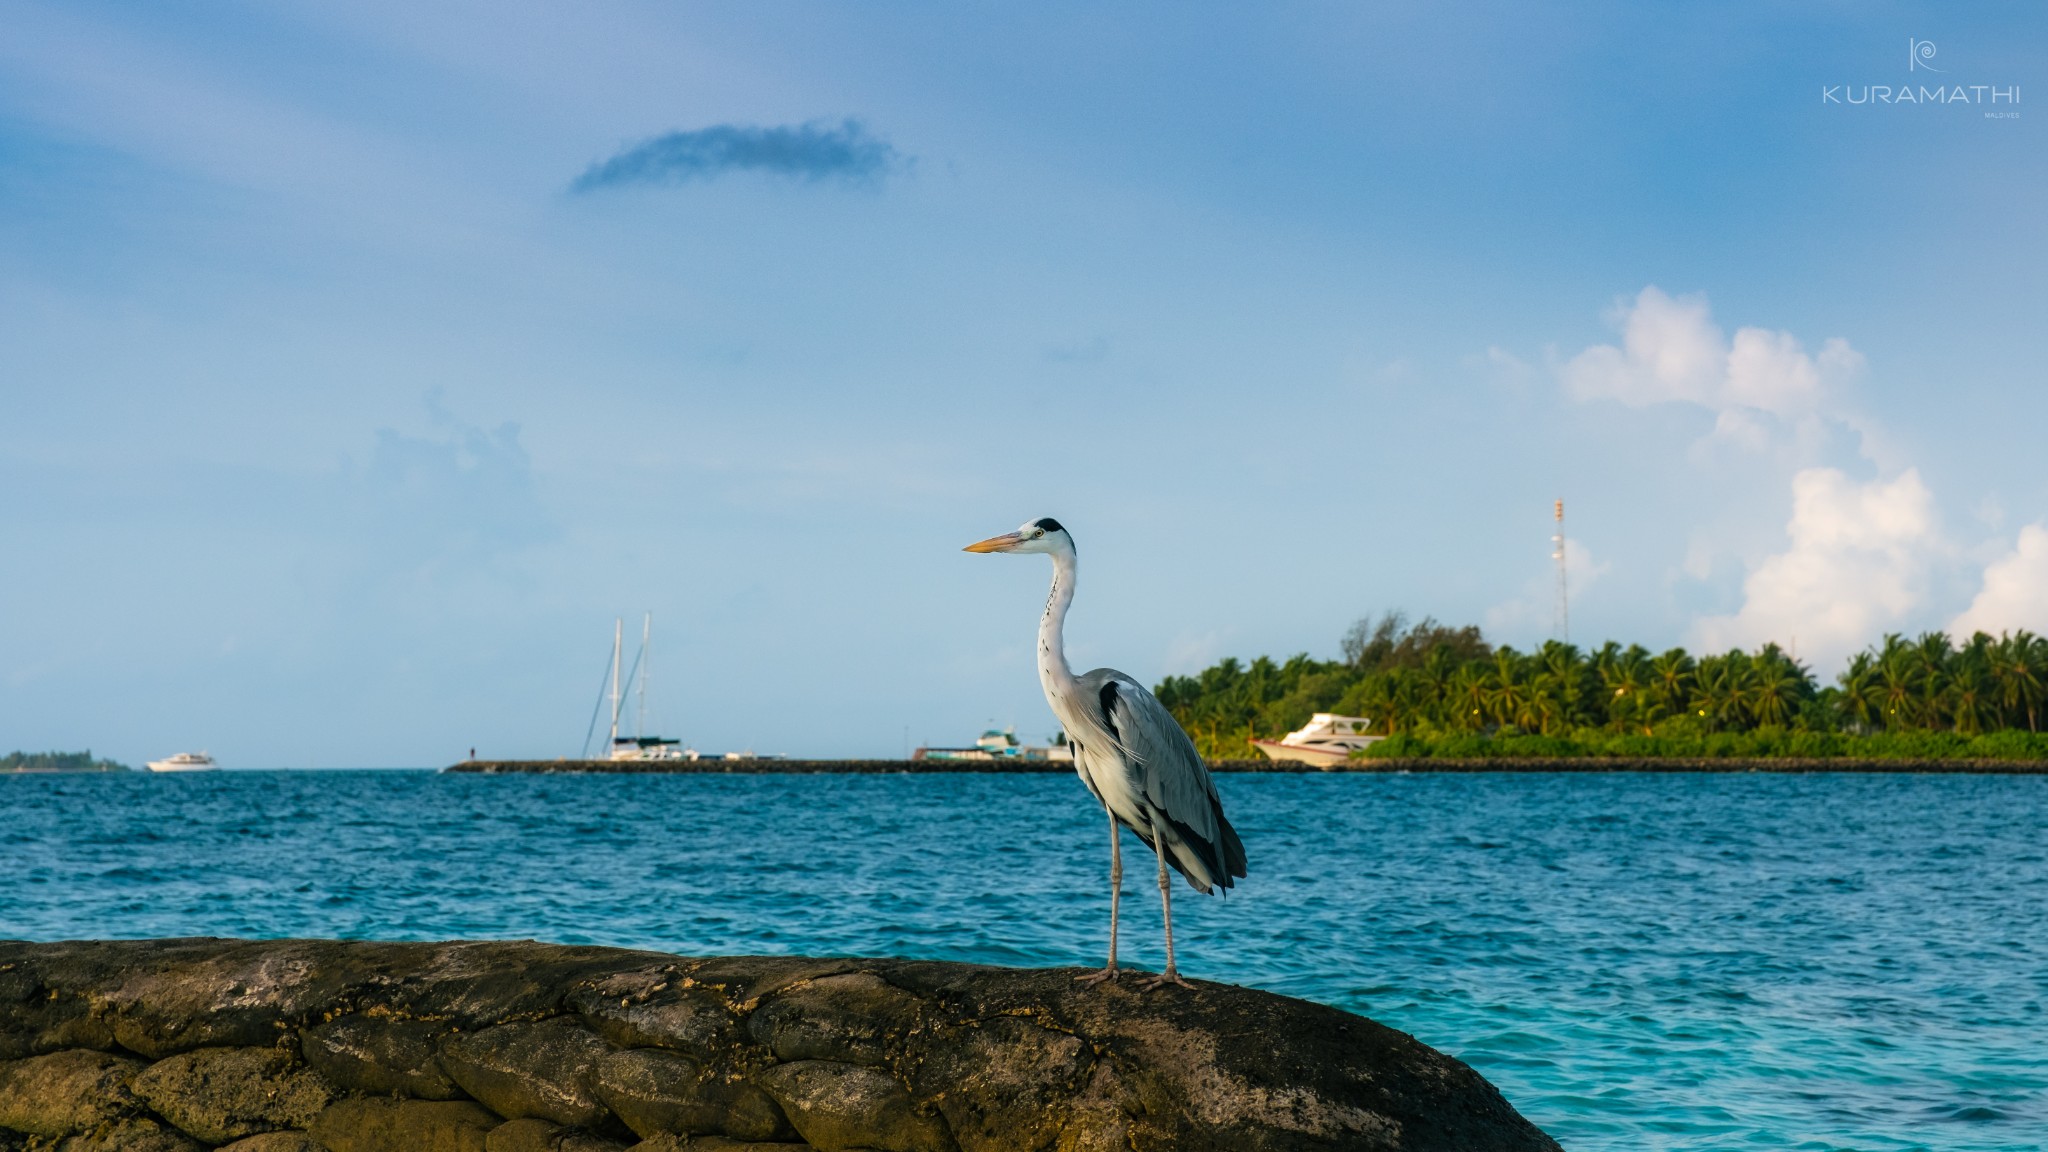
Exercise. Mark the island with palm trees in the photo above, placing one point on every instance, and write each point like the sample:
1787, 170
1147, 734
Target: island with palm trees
1442, 694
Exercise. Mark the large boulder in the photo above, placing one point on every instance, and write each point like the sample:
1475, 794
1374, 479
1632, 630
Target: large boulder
64, 1092
843, 1107
910, 1056
656, 1092
223, 1094
541, 1069
381, 1056
382, 1125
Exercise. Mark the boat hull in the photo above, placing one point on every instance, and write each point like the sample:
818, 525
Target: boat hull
1325, 758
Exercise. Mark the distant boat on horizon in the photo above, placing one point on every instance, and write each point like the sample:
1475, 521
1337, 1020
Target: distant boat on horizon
184, 762
636, 746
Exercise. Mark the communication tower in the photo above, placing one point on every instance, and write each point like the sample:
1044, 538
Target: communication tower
1564, 611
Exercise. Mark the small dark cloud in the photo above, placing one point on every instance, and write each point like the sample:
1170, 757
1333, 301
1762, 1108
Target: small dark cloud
814, 152
1090, 351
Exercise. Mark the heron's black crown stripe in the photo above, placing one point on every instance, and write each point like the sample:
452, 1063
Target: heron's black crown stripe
1049, 524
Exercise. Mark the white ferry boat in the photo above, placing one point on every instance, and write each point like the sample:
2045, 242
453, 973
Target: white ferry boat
1326, 741
1000, 744
184, 762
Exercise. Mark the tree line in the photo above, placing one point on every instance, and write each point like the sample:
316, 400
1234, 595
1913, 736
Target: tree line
57, 762
1440, 690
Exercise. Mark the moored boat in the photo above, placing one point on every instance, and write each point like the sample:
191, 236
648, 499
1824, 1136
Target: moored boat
1326, 741
184, 762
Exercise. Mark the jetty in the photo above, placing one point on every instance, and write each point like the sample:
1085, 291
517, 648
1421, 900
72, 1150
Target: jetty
1369, 765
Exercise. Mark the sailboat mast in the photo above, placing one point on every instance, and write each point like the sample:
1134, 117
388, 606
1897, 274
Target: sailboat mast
646, 666
618, 636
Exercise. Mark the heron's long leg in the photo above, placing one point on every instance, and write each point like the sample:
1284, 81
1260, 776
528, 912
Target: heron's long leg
1116, 891
1172, 974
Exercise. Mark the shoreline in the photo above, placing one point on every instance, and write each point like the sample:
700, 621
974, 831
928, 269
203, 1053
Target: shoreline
1575, 764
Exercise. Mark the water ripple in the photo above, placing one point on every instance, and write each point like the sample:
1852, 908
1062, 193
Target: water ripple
1640, 962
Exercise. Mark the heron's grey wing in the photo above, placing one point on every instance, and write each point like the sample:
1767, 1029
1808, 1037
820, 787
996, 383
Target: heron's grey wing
1170, 772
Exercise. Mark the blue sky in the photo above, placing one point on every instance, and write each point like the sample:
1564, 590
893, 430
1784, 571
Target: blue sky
360, 363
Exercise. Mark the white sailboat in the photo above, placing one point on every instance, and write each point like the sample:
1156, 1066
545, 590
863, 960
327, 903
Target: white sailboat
636, 746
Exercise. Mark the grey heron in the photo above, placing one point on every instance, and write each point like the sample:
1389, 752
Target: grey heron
1132, 755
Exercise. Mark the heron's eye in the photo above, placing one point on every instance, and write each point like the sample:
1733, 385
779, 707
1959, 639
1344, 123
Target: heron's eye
1038, 533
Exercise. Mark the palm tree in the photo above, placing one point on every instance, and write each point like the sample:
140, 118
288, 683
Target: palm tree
1507, 687
1625, 685
1467, 700
1438, 666
1896, 685
1934, 652
1971, 694
2016, 673
1776, 686
1560, 686
1392, 696
1671, 683
1721, 685
1861, 700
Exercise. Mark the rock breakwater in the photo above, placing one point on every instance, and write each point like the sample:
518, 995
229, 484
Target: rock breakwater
308, 1045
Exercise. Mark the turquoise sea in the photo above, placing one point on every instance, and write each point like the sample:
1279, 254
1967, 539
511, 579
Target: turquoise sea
1638, 961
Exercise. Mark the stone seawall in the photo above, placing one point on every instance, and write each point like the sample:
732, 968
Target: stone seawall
325, 1046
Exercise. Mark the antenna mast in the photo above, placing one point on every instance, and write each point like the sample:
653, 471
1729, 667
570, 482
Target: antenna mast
1564, 611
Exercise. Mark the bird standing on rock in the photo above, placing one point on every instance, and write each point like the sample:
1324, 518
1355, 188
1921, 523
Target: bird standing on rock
1132, 755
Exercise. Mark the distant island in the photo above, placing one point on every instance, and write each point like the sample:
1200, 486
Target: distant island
58, 762
1443, 693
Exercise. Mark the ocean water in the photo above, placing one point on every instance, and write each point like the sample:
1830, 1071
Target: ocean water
1638, 961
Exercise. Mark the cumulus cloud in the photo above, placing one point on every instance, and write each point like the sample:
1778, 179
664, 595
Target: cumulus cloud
2015, 592
814, 152
1672, 352
1857, 562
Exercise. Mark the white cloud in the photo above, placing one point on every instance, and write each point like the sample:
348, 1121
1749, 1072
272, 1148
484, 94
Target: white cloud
1672, 353
2015, 592
1857, 562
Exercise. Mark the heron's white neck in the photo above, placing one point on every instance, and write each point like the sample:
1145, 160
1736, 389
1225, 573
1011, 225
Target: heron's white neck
1053, 672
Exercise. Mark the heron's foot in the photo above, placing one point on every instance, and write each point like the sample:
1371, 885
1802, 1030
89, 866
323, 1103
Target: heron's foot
1108, 975
1164, 978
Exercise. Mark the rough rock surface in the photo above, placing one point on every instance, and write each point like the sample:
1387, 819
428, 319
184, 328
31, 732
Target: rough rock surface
380, 1056
540, 1069
59, 1093
511, 1047
372, 1124
275, 1142
224, 1094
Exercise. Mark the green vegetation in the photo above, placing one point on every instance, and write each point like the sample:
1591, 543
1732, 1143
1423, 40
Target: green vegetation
57, 762
1440, 691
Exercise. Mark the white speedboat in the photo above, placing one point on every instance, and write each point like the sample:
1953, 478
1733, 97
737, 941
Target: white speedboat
1326, 741
184, 762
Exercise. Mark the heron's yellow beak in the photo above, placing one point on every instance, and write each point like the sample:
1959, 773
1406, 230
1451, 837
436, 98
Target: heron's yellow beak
1003, 543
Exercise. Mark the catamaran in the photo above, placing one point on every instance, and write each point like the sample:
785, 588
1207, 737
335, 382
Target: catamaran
1326, 741
183, 762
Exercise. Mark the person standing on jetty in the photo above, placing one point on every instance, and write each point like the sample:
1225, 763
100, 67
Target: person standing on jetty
1132, 755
